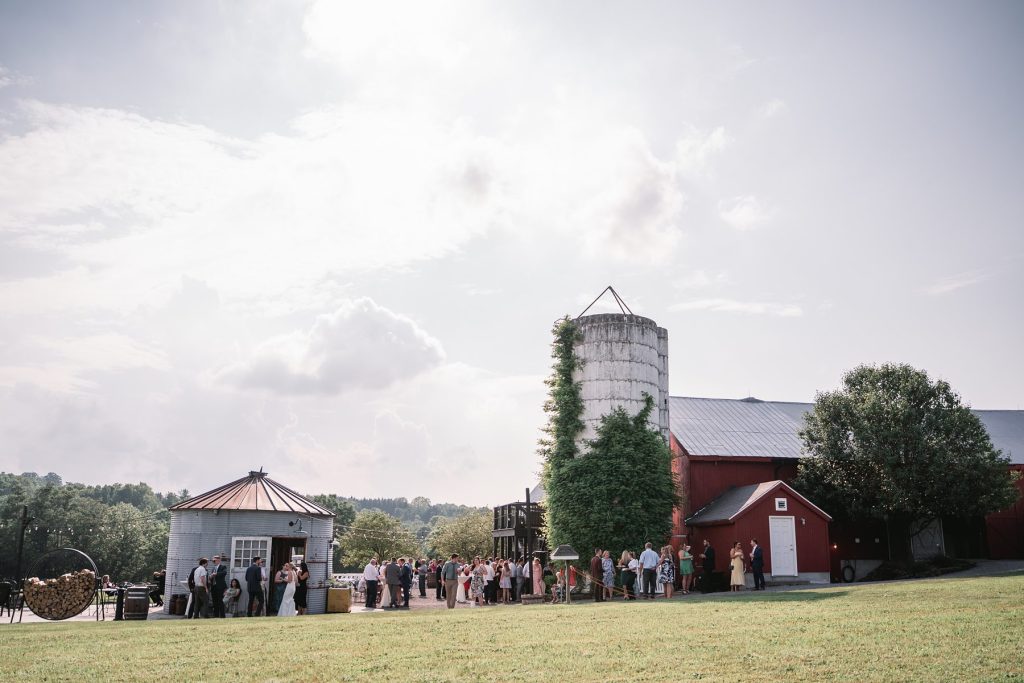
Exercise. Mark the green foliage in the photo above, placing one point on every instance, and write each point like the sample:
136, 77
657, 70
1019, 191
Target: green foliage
469, 536
125, 541
621, 492
891, 444
565, 424
565, 402
376, 534
344, 515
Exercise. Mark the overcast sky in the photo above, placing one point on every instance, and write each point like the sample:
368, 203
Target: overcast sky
330, 238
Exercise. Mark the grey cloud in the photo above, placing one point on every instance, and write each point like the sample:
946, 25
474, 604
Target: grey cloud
359, 346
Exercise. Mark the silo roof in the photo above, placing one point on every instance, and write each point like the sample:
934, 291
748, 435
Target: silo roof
253, 492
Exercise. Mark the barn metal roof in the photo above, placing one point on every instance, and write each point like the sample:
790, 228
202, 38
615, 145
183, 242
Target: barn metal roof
751, 427
731, 504
716, 426
254, 492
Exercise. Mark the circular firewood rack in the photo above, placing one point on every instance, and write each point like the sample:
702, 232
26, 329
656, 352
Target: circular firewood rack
57, 598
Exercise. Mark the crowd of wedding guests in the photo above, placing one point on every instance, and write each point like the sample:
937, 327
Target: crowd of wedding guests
283, 594
491, 581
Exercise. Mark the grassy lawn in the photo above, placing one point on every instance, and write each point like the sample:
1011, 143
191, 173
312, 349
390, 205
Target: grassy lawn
968, 629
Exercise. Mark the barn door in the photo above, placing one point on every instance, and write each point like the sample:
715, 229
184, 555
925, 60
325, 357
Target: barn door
782, 531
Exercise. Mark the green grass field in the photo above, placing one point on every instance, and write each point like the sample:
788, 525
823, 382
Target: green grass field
969, 629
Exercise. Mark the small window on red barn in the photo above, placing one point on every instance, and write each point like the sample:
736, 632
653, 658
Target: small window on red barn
781, 505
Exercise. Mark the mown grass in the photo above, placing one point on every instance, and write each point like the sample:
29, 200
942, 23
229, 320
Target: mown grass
968, 629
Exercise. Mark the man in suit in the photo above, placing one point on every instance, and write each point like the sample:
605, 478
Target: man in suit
254, 586
393, 577
709, 567
405, 576
421, 576
757, 564
438, 568
596, 574
218, 585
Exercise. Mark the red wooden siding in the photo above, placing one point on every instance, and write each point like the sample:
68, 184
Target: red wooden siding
812, 553
1004, 530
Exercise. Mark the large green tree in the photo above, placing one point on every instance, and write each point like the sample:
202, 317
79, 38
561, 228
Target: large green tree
620, 491
376, 534
892, 444
468, 535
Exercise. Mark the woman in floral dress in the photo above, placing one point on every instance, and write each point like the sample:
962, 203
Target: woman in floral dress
477, 585
667, 573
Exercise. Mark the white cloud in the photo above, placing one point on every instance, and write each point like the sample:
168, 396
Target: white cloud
700, 279
359, 346
955, 282
773, 107
66, 364
8, 78
696, 150
734, 306
745, 213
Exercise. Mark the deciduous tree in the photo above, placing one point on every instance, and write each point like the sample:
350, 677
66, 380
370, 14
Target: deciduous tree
376, 534
894, 445
468, 535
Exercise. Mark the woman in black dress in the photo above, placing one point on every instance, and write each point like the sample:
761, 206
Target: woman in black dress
300, 588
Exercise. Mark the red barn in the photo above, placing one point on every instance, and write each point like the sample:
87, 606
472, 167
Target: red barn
723, 444
789, 527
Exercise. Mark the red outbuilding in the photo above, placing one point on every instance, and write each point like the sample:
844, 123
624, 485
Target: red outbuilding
722, 448
792, 530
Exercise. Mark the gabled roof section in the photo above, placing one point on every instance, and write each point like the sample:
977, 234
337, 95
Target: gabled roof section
722, 426
733, 503
254, 492
755, 428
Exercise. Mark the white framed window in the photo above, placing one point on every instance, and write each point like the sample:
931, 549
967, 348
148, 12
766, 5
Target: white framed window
781, 505
247, 548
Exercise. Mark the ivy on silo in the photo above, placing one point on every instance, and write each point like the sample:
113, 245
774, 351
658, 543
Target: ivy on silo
564, 407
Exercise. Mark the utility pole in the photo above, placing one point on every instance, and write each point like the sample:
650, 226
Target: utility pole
25, 521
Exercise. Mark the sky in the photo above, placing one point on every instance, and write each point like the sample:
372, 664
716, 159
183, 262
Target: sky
330, 239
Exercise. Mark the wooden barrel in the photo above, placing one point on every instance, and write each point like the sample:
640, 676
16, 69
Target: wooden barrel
179, 602
172, 605
136, 602
339, 600
431, 580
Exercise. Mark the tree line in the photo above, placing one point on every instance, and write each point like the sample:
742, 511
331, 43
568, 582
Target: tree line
124, 527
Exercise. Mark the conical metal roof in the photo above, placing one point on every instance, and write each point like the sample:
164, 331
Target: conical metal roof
254, 492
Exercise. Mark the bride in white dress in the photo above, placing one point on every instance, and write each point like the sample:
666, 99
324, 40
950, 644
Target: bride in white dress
385, 596
287, 608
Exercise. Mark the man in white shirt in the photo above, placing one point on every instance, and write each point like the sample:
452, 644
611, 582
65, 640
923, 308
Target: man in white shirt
371, 575
202, 594
490, 585
526, 582
649, 563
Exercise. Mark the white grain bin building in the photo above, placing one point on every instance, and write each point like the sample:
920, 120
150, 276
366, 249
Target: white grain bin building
624, 356
251, 516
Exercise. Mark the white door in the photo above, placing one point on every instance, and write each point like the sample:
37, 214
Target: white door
782, 531
243, 549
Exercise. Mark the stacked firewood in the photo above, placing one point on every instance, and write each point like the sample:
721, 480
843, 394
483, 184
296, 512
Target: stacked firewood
63, 597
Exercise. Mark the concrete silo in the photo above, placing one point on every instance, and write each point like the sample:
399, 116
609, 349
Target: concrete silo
624, 356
